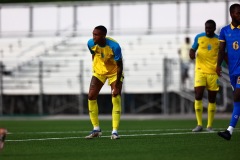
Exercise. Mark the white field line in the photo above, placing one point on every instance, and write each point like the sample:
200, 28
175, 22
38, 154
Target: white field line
151, 130
122, 135
67, 132
129, 135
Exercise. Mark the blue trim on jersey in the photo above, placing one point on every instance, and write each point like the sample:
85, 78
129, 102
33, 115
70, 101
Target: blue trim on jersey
116, 49
90, 44
203, 34
112, 44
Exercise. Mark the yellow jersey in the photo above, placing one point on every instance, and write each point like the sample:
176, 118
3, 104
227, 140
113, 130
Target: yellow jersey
207, 53
105, 57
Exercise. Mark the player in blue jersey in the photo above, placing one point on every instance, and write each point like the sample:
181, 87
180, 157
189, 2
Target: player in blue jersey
107, 64
230, 42
206, 46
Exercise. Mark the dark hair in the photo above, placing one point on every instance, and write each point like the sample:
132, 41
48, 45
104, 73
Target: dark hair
233, 7
211, 22
102, 28
187, 39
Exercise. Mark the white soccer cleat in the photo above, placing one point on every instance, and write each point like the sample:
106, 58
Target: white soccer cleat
94, 134
198, 129
115, 136
209, 129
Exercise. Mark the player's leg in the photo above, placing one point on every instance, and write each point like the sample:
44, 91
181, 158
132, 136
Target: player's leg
235, 81
182, 73
236, 104
227, 134
94, 89
186, 68
199, 86
211, 108
198, 106
116, 110
235, 115
213, 87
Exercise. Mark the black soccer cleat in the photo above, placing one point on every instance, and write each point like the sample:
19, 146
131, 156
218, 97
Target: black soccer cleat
225, 134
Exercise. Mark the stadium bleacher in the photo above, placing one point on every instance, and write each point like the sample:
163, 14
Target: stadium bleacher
144, 59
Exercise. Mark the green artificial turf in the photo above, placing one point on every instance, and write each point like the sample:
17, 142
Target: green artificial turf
140, 140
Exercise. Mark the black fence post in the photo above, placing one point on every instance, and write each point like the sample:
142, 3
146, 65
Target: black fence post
1, 88
40, 78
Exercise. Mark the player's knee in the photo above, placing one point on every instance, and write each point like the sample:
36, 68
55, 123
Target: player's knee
212, 100
236, 98
236, 95
92, 97
198, 97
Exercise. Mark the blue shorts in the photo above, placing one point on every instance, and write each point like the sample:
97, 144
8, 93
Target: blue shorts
235, 81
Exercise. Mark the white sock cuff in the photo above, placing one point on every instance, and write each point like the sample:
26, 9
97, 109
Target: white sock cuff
114, 131
96, 128
230, 129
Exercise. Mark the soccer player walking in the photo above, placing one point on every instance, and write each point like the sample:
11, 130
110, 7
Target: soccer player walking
206, 45
230, 40
107, 64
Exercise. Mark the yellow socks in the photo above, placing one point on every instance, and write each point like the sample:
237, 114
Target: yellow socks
93, 112
198, 110
116, 112
211, 113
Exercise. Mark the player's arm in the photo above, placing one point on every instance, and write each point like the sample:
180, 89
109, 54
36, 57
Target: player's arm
119, 72
221, 57
119, 62
90, 44
192, 53
117, 86
226, 58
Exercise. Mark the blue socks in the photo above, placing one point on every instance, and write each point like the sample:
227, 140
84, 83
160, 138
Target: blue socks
235, 114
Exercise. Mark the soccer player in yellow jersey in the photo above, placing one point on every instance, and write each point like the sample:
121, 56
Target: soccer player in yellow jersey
107, 64
205, 51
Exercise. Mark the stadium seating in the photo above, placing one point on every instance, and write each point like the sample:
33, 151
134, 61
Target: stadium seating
62, 66
64, 60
